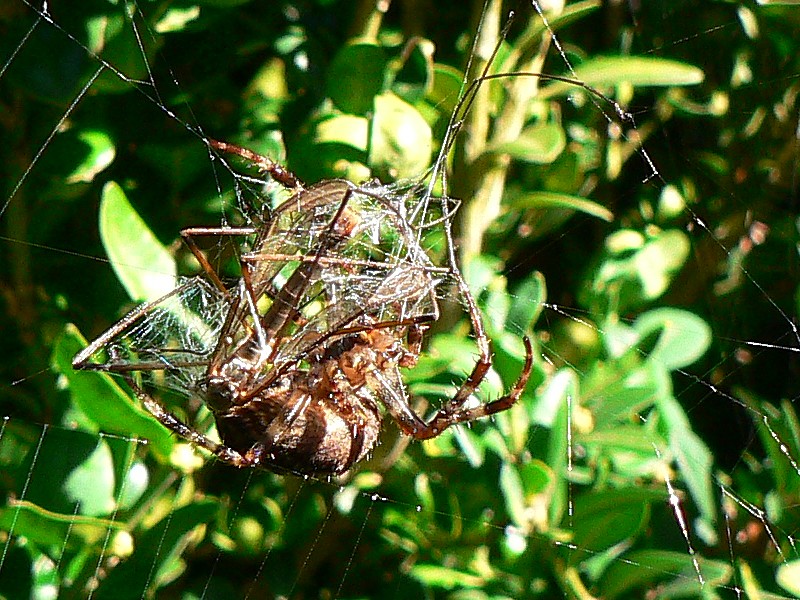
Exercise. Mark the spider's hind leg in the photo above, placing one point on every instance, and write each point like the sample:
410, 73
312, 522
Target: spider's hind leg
173, 423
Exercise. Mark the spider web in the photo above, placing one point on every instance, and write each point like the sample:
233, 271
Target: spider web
639, 501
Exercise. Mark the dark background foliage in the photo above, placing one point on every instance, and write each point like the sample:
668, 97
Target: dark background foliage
665, 353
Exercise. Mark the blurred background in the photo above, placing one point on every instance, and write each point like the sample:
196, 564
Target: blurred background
644, 232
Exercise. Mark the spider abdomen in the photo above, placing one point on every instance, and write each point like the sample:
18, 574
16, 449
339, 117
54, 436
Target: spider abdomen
307, 425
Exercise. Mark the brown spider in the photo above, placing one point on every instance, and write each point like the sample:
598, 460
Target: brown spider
295, 373
297, 357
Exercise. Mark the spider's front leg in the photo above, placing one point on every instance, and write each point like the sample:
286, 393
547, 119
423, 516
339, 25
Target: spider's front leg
454, 412
279, 173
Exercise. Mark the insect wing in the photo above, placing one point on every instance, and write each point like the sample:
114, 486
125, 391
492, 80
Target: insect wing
169, 340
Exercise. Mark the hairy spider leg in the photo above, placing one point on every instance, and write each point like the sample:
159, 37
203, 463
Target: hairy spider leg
271, 327
453, 411
341, 329
173, 423
279, 173
282, 311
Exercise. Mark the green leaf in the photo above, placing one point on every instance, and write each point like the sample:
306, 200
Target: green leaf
552, 400
638, 71
632, 438
91, 483
157, 549
620, 393
356, 76
444, 93
332, 145
643, 569
788, 577
659, 259
177, 18
99, 153
634, 272
541, 199
606, 518
537, 144
412, 79
81, 481
47, 528
684, 337
103, 401
471, 445
693, 456
527, 303
443, 577
513, 494
143, 264
401, 141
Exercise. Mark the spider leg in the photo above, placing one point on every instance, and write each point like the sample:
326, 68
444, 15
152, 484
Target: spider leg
453, 413
393, 396
453, 410
173, 423
280, 174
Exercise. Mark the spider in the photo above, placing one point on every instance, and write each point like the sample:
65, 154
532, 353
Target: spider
295, 359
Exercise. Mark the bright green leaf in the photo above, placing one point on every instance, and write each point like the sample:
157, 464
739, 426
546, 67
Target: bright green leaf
537, 144
100, 153
788, 577
543, 199
443, 577
684, 337
637, 71
143, 264
513, 494
401, 142
53, 529
102, 400
694, 457
527, 303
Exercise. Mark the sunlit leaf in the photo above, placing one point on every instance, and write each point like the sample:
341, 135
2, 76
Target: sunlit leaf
683, 336
788, 577
442, 577
693, 455
541, 199
102, 400
50, 528
142, 263
100, 153
401, 142
638, 71
538, 144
